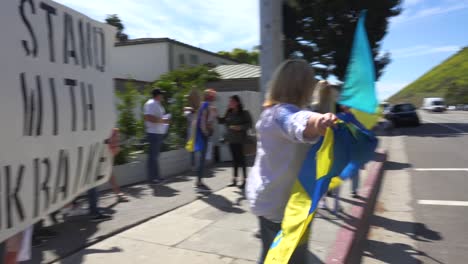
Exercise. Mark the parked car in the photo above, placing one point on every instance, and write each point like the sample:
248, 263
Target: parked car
452, 108
385, 107
403, 114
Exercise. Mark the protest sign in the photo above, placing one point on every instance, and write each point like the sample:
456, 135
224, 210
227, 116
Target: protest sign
56, 109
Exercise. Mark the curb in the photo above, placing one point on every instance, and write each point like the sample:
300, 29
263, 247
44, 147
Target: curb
346, 248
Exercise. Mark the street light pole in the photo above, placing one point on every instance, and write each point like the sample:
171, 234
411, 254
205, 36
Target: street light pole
271, 47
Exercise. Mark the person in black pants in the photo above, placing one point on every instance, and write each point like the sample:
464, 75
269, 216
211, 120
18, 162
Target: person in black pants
238, 121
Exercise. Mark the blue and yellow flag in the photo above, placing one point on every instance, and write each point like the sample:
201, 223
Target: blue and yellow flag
359, 86
197, 140
342, 151
342, 145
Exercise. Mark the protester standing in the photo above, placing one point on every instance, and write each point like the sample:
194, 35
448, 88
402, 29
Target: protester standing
156, 125
190, 113
238, 121
204, 128
114, 147
285, 134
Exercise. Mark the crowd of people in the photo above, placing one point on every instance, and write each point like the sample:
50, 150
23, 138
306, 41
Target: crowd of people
288, 125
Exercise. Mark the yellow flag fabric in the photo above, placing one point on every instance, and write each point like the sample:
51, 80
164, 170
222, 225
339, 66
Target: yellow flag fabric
366, 119
297, 216
341, 151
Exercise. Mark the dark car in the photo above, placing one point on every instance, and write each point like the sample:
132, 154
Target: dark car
403, 114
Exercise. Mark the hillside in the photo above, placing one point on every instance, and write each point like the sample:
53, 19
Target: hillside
448, 80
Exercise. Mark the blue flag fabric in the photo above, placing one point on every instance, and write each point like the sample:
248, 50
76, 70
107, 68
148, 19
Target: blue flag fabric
342, 145
359, 86
197, 142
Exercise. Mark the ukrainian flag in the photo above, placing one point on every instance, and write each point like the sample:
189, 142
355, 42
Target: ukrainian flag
342, 151
342, 145
197, 140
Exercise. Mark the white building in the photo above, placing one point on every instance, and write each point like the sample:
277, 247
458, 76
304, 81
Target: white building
146, 59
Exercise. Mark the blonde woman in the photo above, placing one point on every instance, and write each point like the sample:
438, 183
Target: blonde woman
286, 131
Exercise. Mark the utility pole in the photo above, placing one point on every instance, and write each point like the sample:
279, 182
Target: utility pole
271, 47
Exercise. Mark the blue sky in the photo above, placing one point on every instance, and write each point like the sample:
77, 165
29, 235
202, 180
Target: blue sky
425, 34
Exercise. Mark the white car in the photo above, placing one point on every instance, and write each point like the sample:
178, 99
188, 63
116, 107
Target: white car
434, 104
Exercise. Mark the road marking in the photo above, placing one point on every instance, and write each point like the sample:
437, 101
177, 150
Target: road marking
441, 169
446, 126
443, 202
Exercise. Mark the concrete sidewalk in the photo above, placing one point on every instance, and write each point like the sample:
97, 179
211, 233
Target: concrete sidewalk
146, 202
217, 228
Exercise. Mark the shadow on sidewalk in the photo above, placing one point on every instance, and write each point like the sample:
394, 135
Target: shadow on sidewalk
398, 252
416, 231
221, 203
392, 165
164, 191
394, 253
341, 220
80, 229
312, 259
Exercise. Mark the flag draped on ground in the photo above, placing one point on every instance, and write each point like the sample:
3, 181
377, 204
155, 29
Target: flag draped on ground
196, 141
342, 151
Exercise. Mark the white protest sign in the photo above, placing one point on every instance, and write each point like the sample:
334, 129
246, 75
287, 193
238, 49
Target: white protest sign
56, 109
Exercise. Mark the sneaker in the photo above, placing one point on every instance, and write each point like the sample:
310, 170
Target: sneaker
338, 210
121, 198
201, 187
76, 212
44, 233
322, 204
100, 218
157, 182
258, 234
234, 183
355, 195
242, 186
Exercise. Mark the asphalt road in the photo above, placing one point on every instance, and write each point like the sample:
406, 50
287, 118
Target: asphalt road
438, 165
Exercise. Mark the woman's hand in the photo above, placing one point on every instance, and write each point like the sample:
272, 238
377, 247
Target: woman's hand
318, 123
325, 121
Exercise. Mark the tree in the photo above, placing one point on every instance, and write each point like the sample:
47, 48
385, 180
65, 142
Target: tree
127, 122
322, 31
115, 21
242, 55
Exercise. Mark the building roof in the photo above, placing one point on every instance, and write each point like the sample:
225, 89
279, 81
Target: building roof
238, 71
141, 41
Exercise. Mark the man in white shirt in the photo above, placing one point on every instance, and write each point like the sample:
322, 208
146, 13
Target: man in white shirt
156, 125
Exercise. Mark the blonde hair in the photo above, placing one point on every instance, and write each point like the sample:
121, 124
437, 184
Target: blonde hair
194, 99
293, 83
210, 94
325, 98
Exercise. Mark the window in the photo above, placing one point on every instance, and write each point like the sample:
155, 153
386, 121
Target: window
403, 108
193, 59
181, 59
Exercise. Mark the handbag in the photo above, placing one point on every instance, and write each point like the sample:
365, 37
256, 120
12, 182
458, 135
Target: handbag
250, 146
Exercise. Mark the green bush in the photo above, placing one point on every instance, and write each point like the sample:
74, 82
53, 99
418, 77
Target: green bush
127, 122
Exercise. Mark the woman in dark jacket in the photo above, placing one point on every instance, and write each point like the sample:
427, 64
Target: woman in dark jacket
238, 122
